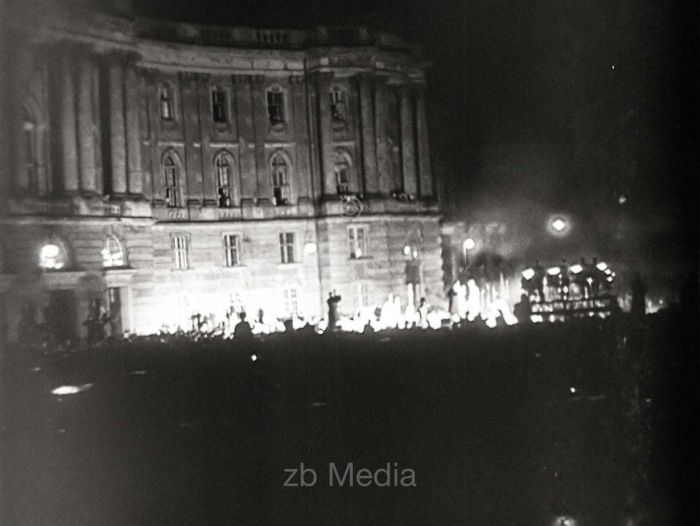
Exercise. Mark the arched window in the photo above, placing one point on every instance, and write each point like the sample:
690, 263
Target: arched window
222, 166
52, 255
113, 253
29, 151
166, 103
343, 172
280, 178
338, 104
172, 180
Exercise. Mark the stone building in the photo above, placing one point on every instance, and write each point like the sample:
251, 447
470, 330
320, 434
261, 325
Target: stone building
175, 169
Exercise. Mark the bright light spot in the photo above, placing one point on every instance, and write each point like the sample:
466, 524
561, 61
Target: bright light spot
253, 357
576, 268
528, 273
407, 250
309, 248
608, 271
610, 279
572, 390
622, 199
491, 323
50, 251
613, 66
70, 389
358, 254
602, 266
553, 271
559, 224
469, 244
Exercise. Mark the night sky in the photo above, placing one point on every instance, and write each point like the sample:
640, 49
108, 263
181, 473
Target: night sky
540, 106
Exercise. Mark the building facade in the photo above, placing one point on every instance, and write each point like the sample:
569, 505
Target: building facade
175, 170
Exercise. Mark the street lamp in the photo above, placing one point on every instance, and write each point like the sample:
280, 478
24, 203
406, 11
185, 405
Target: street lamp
559, 225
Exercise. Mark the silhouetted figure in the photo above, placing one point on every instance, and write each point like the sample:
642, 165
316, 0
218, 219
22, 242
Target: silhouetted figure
564, 280
333, 300
523, 309
538, 279
243, 330
451, 303
368, 329
639, 292
423, 313
581, 279
95, 322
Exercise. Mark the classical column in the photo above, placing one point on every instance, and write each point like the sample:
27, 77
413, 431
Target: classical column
408, 156
368, 140
86, 136
325, 146
384, 177
69, 151
190, 84
424, 174
246, 136
264, 186
301, 183
116, 125
133, 130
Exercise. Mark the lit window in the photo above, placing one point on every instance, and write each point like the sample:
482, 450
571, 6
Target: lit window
223, 180
287, 247
232, 250
291, 301
172, 187
357, 238
112, 253
219, 105
52, 256
280, 180
275, 106
166, 103
180, 248
338, 105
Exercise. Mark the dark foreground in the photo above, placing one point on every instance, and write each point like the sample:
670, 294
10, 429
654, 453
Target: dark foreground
592, 419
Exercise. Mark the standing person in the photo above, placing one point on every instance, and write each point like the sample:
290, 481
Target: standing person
564, 280
243, 330
451, 303
639, 292
539, 280
332, 301
423, 313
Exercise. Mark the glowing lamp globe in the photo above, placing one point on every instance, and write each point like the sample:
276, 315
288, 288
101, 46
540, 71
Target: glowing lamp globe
469, 244
528, 273
559, 225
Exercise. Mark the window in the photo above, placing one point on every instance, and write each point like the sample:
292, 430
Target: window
52, 256
343, 170
280, 185
357, 239
361, 294
342, 178
232, 250
180, 249
275, 106
291, 301
287, 247
338, 103
172, 187
29, 150
219, 105
223, 179
112, 253
166, 103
